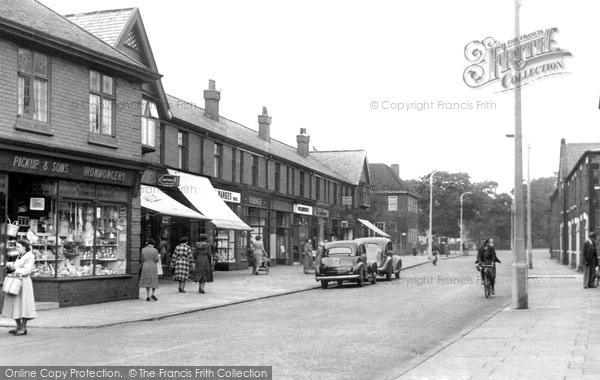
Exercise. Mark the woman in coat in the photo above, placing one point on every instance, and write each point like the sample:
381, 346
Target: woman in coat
203, 270
308, 257
21, 307
181, 262
258, 250
149, 274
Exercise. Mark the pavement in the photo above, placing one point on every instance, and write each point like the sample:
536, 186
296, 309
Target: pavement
228, 288
557, 337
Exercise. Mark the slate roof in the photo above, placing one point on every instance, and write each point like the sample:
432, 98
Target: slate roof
384, 178
348, 163
571, 153
192, 114
42, 24
106, 25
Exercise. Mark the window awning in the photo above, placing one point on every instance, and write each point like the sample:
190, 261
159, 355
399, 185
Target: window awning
372, 227
204, 197
155, 199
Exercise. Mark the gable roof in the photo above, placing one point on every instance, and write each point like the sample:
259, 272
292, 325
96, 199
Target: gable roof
246, 138
107, 25
570, 155
352, 165
124, 29
383, 178
40, 25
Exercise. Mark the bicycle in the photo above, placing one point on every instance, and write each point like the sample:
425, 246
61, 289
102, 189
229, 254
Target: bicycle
487, 280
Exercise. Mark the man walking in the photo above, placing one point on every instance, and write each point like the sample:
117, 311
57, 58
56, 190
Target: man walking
590, 261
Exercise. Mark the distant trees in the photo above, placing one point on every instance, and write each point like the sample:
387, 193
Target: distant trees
486, 214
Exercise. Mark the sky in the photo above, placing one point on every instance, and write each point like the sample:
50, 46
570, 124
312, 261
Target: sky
341, 69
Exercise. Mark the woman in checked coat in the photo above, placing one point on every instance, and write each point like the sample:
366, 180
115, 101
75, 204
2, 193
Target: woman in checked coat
181, 263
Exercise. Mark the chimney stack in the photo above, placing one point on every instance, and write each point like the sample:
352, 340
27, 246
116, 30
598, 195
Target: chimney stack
303, 139
264, 125
211, 101
396, 169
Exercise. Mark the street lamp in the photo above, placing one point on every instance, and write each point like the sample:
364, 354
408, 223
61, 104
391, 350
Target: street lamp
529, 248
431, 210
519, 266
461, 220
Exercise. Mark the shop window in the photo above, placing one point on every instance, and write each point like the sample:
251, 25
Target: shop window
32, 85
102, 101
149, 116
83, 233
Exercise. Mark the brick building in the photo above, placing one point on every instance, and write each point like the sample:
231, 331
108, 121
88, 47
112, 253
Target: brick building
575, 203
70, 154
394, 209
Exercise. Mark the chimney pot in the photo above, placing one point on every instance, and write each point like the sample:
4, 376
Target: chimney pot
303, 139
211, 101
264, 125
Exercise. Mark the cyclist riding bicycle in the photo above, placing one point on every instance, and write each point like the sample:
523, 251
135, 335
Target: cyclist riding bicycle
487, 256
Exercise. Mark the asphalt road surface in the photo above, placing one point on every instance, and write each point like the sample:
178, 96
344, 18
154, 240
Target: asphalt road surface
374, 332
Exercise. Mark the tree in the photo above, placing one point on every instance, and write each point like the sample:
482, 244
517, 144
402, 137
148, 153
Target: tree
541, 190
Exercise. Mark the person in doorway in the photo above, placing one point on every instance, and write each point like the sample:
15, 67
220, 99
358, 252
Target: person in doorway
181, 262
21, 307
163, 250
149, 273
308, 256
203, 270
258, 250
590, 261
320, 251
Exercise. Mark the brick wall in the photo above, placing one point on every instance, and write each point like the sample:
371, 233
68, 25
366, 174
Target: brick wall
171, 147
247, 168
227, 163
195, 151
262, 172
209, 158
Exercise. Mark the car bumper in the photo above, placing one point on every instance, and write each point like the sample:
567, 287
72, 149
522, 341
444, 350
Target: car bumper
336, 278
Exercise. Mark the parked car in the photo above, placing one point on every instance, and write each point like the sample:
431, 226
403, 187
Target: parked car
344, 260
381, 257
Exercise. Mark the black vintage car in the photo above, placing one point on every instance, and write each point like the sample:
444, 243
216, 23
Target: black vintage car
381, 257
344, 260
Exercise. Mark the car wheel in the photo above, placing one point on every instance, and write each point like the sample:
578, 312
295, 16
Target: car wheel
374, 275
324, 284
398, 268
388, 273
361, 278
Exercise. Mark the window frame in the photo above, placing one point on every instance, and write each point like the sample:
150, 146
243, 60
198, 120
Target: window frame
34, 77
182, 150
147, 106
217, 160
103, 96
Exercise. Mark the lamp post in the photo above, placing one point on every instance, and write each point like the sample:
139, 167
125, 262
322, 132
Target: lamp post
461, 220
519, 266
529, 244
431, 210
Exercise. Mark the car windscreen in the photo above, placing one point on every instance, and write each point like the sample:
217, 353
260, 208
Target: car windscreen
340, 251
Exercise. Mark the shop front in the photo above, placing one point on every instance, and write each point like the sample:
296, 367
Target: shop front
302, 229
336, 226
77, 214
321, 225
256, 213
227, 231
281, 223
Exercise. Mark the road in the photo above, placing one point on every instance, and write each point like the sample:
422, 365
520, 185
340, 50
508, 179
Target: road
375, 332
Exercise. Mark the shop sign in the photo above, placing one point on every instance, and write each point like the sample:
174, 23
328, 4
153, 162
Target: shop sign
168, 180
347, 200
49, 166
321, 212
256, 201
229, 196
37, 204
303, 209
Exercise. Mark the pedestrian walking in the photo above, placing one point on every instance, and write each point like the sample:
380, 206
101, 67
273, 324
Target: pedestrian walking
181, 263
149, 274
435, 250
258, 250
308, 258
590, 261
320, 251
203, 271
21, 307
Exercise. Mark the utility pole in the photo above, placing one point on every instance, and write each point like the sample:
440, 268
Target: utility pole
520, 299
529, 248
430, 252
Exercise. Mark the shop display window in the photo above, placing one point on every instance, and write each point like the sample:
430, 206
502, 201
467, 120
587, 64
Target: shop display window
225, 243
73, 231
